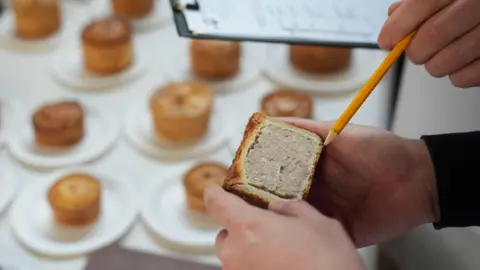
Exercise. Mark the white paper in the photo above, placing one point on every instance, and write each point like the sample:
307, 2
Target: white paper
342, 21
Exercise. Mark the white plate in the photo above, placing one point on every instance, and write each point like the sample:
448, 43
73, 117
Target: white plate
165, 211
7, 119
7, 190
9, 40
160, 16
10, 260
101, 132
68, 69
364, 63
33, 224
140, 132
179, 70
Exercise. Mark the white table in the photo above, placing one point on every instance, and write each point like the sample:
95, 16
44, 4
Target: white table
27, 78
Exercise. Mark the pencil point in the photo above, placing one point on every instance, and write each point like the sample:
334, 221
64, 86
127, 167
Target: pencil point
331, 135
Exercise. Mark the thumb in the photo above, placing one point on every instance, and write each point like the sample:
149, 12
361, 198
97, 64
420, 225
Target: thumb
224, 208
320, 128
293, 209
393, 7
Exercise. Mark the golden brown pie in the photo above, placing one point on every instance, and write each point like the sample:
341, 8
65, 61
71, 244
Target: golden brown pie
132, 8
318, 59
287, 103
36, 19
214, 59
107, 45
181, 111
59, 124
75, 199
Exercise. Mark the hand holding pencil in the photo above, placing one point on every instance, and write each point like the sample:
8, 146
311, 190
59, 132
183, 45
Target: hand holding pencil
365, 92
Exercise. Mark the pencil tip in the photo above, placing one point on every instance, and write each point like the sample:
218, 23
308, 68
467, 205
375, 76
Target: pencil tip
331, 135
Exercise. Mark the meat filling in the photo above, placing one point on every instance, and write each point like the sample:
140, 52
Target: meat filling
280, 161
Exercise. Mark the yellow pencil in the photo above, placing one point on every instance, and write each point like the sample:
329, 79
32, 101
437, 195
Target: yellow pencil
368, 88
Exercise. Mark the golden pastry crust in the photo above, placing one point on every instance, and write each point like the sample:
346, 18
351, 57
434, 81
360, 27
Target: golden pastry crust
287, 103
215, 59
181, 111
198, 178
59, 124
75, 199
318, 59
132, 9
36, 19
107, 45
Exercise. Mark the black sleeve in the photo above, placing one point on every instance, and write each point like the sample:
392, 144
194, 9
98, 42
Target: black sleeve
456, 158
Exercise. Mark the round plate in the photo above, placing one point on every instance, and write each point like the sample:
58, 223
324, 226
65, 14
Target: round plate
68, 69
165, 211
101, 132
179, 70
10, 260
8, 112
39, 231
364, 63
140, 132
7, 190
9, 40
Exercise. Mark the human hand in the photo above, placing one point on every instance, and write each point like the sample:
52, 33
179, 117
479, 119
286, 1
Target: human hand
377, 184
447, 41
291, 235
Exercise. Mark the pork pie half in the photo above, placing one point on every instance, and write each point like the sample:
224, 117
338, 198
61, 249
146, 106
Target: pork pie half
275, 161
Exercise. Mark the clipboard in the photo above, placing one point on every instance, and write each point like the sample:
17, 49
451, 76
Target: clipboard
340, 23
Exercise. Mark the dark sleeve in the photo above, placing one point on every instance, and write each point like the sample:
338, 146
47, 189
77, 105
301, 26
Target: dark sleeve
456, 158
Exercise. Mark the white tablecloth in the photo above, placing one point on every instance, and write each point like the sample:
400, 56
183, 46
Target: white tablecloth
26, 77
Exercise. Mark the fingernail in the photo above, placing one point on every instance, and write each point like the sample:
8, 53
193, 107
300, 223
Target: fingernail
383, 45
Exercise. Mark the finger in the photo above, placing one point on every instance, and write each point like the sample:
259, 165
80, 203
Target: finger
226, 209
442, 29
393, 7
220, 241
299, 209
455, 56
407, 18
468, 76
320, 128
323, 127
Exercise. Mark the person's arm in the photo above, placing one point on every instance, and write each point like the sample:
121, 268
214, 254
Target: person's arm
456, 158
